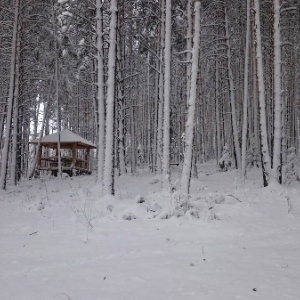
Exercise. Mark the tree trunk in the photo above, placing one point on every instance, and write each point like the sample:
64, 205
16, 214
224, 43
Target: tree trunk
121, 96
232, 97
100, 93
245, 102
14, 146
10, 97
58, 110
160, 92
189, 47
57, 94
277, 95
218, 126
266, 166
13, 167
167, 96
148, 114
189, 131
110, 103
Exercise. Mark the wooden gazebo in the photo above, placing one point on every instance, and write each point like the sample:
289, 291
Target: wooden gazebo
75, 153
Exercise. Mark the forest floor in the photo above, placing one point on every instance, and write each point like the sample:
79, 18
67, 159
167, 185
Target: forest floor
60, 240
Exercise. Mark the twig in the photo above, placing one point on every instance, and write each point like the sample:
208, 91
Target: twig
234, 197
64, 294
33, 233
87, 218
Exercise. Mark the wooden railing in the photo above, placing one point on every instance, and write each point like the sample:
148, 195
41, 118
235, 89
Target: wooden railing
50, 163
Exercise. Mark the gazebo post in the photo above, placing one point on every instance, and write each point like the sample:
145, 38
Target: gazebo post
87, 158
74, 156
39, 158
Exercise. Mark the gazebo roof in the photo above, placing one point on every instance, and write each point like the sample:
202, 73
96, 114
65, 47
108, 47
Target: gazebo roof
67, 138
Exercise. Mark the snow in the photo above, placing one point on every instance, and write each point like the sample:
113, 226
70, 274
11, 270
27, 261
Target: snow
66, 136
67, 13
81, 42
60, 240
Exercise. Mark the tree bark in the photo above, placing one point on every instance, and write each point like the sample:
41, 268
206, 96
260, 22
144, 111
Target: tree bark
100, 93
189, 131
245, 102
277, 96
266, 165
10, 96
110, 103
160, 92
217, 103
167, 96
232, 97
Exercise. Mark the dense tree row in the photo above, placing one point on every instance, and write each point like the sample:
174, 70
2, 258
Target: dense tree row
153, 83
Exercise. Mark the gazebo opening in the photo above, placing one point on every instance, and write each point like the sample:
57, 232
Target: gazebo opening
74, 153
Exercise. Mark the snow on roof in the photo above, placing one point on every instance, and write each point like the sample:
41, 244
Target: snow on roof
66, 137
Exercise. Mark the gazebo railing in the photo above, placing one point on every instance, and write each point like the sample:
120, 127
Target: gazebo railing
50, 163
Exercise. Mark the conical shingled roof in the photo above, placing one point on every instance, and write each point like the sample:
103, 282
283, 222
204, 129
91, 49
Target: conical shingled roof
66, 138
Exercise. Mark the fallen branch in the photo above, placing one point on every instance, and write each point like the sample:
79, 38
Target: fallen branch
235, 198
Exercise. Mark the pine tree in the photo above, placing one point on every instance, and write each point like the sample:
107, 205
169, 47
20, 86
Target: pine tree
189, 131
100, 92
266, 165
277, 95
167, 96
11, 95
110, 103
245, 100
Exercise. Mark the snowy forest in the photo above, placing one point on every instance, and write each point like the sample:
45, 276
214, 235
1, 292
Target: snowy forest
149, 149
153, 84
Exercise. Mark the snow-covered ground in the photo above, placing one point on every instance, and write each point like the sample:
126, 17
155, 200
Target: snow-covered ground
60, 240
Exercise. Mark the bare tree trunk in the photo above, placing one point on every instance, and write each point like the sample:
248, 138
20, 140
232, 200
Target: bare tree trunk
266, 165
132, 112
245, 103
59, 173
121, 97
218, 126
189, 131
13, 167
161, 92
189, 47
148, 114
232, 97
2, 121
255, 101
57, 96
133, 147
167, 96
10, 97
100, 93
110, 103
277, 95
156, 100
